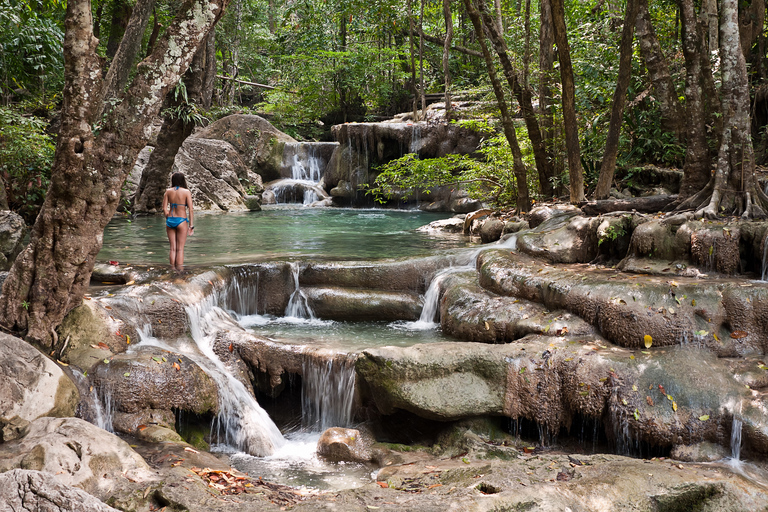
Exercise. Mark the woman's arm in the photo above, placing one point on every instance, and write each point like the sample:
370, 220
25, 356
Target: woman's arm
191, 212
165, 203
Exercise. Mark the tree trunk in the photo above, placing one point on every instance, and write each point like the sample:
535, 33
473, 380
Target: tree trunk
569, 103
155, 177
122, 63
499, 16
734, 189
121, 13
672, 114
522, 94
232, 67
696, 170
3, 196
413, 63
751, 18
608, 166
523, 195
421, 62
649, 204
547, 123
156, 26
50, 276
446, 57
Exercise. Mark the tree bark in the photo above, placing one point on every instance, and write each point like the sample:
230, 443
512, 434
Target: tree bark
421, 62
546, 116
413, 62
3, 196
446, 56
608, 166
650, 204
734, 187
120, 67
522, 94
751, 18
523, 194
156, 26
155, 177
672, 114
91, 162
232, 66
696, 170
121, 13
570, 122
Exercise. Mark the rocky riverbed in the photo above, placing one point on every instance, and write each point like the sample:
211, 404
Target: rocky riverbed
591, 363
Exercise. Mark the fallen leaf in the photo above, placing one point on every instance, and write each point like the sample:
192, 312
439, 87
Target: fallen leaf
739, 334
649, 400
661, 388
62, 363
487, 327
142, 427
674, 406
106, 361
176, 365
701, 333
107, 307
634, 387
647, 340
383, 485
188, 449
127, 374
434, 485
130, 282
127, 339
704, 417
231, 347
624, 401
637, 415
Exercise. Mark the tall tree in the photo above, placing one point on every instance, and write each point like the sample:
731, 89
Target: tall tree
672, 114
570, 122
523, 194
733, 188
446, 56
608, 166
546, 114
93, 156
522, 94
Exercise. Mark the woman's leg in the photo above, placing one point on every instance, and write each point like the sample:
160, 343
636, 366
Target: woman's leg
172, 239
181, 239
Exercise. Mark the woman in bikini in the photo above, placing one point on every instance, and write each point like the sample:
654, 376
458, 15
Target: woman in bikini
177, 225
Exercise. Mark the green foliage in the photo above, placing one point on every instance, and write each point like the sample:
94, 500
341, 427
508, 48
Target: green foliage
31, 37
489, 178
26, 156
613, 232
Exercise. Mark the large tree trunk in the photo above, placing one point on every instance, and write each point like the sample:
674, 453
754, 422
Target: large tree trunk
672, 114
608, 166
121, 13
122, 63
522, 94
3, 196
155, 177
696, 171
546, 72
523, 195
446, 56
50, 276
570, 122
232, 63
734, 189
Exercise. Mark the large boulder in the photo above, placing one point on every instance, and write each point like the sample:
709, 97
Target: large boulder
351, 304
150, 378
259, 144
12, 233
78, 454
31, 385
214, 172
565, 237
23, 489
345, 445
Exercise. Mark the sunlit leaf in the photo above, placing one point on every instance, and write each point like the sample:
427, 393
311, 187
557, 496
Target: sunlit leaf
674, 406
647, 340
637, 415
704, 417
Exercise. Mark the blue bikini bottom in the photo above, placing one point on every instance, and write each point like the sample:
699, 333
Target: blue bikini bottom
174, 222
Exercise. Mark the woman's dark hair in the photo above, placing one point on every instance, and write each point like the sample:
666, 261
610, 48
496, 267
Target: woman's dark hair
178, 180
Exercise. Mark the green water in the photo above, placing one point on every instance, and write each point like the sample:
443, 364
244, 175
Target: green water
280, 232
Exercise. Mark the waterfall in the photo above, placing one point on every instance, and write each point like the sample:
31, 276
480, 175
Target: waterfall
327, 393
241, 422
304, 162
297, 305
736, 438
242, 294
103, 409
415, 145
764, 268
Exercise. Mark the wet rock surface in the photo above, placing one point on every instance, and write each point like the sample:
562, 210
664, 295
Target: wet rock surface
22, 489
152, 378
31, 385
12, 233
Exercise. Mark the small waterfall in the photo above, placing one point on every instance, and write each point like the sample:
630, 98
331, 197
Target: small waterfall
327, 393
297, 304
764, 268
242, 294
103, 409
307, 169
736, 438
430, 312
415, 144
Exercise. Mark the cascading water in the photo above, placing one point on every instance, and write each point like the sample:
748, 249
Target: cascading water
241, 422
297, 304
736, 439
327, 392
305, 163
